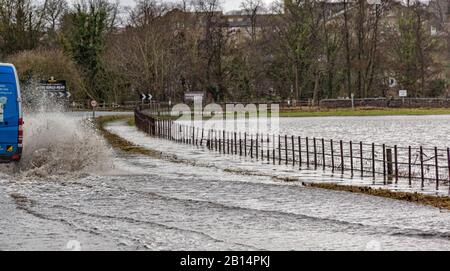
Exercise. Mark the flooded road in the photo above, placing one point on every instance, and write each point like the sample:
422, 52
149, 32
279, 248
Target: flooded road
145, 203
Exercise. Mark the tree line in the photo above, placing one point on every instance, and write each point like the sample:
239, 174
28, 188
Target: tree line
290, 50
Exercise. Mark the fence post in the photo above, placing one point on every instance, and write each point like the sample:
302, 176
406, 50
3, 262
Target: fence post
228, 142
215, 140
220, 141
361, 160
232, 144
201, 140
251, 146
307, 152
409, 166
181, 133
323, 154
197, 136
245, 143
240, 144
448, 165
421, 167
262, 147
342, 156
273, 149
208, 142
396, 163
351, 158
293, 150
279, 149
373, 160
224, 145
286, 148
390, 171
299, 152
384, 163
437, 167
235, 143
332, 155
315, 153
268, 149
257, 146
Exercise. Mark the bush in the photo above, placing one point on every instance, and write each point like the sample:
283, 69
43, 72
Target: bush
36, 65
437, 88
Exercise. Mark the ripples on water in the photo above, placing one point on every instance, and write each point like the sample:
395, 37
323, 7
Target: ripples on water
208, 202
428, 131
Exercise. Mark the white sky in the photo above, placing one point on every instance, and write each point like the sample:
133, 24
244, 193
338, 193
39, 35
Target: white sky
227, 4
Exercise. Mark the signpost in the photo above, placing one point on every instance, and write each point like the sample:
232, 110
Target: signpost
55, 88
94, 104
403, 93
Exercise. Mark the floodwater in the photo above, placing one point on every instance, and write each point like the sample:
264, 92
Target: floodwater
193, 199
415, 131
428, 131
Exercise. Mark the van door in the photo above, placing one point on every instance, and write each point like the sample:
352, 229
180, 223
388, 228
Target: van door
9, 108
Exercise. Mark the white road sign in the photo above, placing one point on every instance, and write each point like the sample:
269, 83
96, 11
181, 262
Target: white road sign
146, 97
403, 93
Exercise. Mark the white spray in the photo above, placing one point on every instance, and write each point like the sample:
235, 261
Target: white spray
56, 142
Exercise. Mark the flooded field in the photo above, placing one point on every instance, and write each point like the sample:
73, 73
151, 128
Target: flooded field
202, 201
427, 131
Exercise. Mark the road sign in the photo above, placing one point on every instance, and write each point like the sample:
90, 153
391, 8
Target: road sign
58, 94
392, 82
403, 93
191, 96
94, 103
146, 97
55, 88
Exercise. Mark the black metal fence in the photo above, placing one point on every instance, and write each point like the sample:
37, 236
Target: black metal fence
428, 166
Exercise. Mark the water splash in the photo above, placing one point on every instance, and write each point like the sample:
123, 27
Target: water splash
57, 142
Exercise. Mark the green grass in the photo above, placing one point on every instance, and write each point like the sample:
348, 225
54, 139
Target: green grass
367, 112
131, 122
348, 112
119, 143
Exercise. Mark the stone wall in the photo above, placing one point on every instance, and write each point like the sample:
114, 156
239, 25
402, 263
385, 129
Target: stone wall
387, 102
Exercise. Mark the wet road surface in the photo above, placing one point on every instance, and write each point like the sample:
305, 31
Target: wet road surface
146, 203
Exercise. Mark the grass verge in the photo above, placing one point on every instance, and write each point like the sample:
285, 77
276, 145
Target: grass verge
126, 146
118, 142
435, 201
348, 112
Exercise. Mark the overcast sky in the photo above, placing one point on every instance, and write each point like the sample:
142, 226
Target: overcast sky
227, 4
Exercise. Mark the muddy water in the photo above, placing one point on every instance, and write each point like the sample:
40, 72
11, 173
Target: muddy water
145, 203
